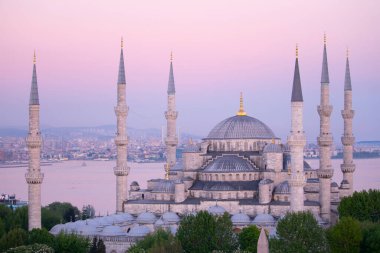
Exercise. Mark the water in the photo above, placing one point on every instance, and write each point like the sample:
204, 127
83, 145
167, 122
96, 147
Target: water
95, 184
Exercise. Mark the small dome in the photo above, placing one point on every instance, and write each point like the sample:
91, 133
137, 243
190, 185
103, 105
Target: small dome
241, 127
87, 230
240, 219
266, 181
146, 218
134, 183
139, 231
262, 219
216, 210
70, 227
117, 218
135, 186
272, 148
170, 217
112, 231
282, 188
57, 229
334, 184
104, 221
94, 222
230, 163
191, 148
126, 217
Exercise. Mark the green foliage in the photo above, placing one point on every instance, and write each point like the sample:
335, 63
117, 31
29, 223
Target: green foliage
157, 242
2, 228
101, 248
371, 237
205, 233
345, 236
34, 248
65, 210
248, 238
67, 243
15, 237
299, 232
50, 218
363, 206
41, 236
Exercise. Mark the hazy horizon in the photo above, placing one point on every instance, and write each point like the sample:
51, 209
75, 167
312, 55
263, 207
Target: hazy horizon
220, 49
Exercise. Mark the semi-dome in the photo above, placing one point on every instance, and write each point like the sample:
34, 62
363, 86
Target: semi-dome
113, 231
230, 163
266, 181
272, 148
263, 219
146, 218
240, 219
216, 210
126, 216
170, 217
57, 229
241, 127
282, 188
139, 231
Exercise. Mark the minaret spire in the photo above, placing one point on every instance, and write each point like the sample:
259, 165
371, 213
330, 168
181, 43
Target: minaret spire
34, 177
325, 140
297, 142
348, 139
241, 111
121, 170
171, 115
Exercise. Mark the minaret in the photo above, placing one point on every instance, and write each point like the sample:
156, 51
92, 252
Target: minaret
34, 177
296, 142
325, 140
171, 115
121, 110
348, 139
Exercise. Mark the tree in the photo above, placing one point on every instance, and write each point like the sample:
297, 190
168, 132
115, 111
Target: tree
65, 210
40, 248
66, 243
363, 206
15, 237
94, 245
345, 236
41, 236
101, 248
299, 232
371, 237
157, 242
50, 218
248, 238
205, 233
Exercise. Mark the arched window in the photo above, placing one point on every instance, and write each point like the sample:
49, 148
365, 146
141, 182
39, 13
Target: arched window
245, 195
244, 177
223, 177
250, 177
237, 177
217, 177
230, 177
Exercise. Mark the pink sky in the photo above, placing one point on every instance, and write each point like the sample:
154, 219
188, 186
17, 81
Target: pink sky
220, 48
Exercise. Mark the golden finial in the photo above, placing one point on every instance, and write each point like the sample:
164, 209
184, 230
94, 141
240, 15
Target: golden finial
241, 111
34, 57
191, 141
272, 140
122, 42
167, 169
297, 50
171, 56
324, 38
347, 52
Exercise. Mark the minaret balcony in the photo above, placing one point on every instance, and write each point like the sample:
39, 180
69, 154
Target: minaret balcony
325, 110
325, 140
348, 114
34, 141
297, 140
121, 110
33, 177
348, 140
325, 173
121, 140
347, 167
121, 170
171, 115
171, 141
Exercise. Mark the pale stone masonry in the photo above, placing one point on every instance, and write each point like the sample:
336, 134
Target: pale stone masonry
297, 142
325, 140
348, 139
34, 177
121, 110
171, 115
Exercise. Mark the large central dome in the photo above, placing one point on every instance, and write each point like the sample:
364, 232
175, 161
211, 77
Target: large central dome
241, 127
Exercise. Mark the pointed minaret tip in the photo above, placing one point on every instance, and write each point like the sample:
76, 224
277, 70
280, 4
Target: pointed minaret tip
121, 74
325, 69
347, 76
171, 84
297, 88
34, 98
241, 111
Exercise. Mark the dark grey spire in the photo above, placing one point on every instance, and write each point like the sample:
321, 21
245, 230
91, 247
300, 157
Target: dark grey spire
347, 77
171, 86
297, 89
325, 68
121, 76
34, 100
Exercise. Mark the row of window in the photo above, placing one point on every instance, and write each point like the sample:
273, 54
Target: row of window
229, 177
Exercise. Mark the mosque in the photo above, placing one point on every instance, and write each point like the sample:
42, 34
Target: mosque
241, 167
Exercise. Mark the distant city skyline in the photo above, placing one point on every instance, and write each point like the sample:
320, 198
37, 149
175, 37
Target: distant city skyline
220, 49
